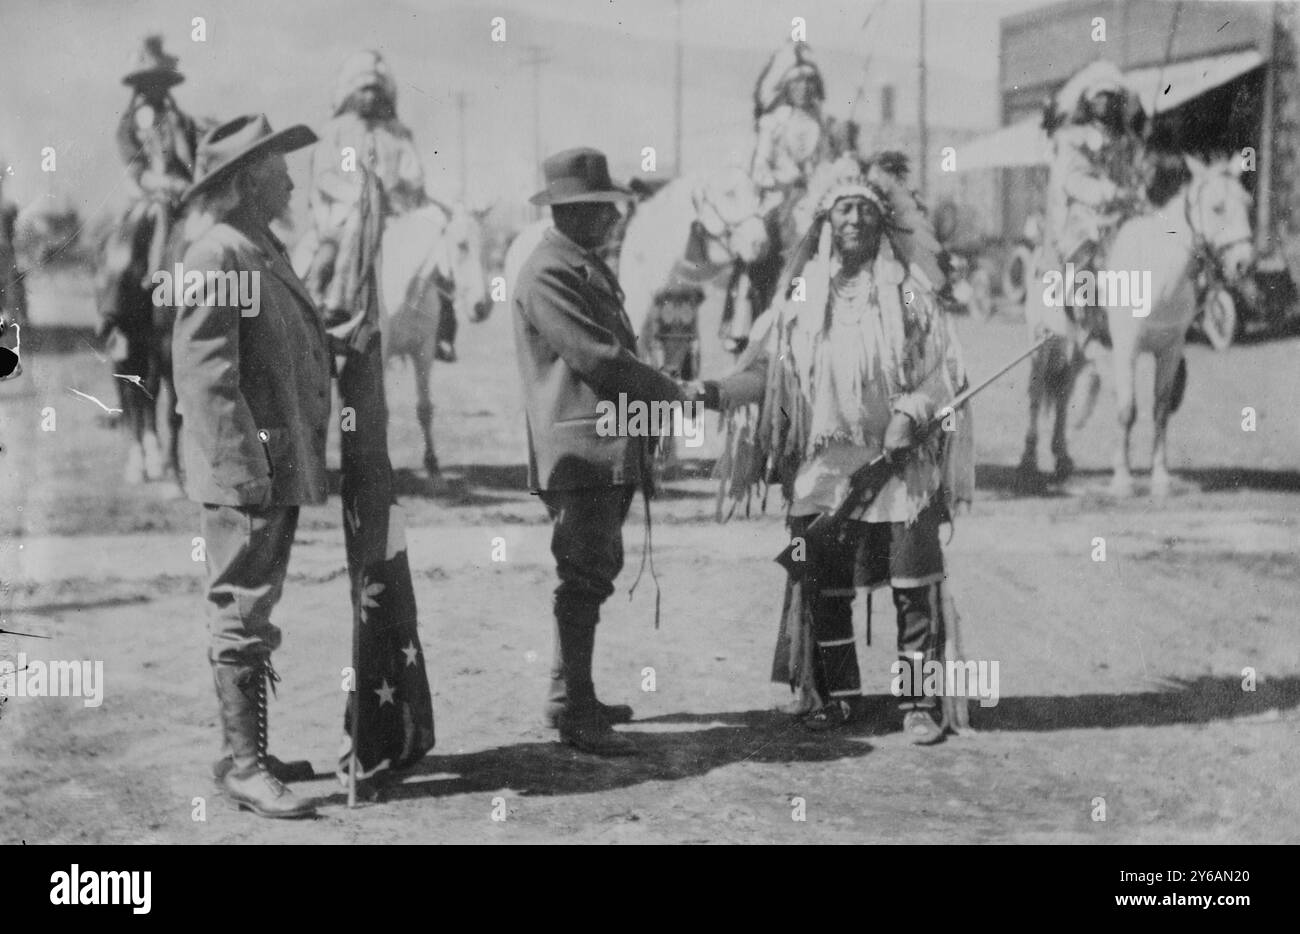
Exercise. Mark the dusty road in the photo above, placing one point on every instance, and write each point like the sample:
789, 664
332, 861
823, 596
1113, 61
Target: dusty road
1119, 679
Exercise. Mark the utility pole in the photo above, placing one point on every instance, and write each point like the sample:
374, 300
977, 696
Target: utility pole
924, 166
677, 97
535, 57
464, 147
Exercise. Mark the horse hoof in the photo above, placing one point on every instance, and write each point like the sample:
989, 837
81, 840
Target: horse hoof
133, 473
1064, 469
1121, 487
1160, 485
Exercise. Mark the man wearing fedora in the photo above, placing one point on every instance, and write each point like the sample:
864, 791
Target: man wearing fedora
255, 394
576, 348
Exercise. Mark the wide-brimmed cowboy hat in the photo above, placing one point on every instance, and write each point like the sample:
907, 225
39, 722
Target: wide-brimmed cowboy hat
238, 143
151, 65
578, 175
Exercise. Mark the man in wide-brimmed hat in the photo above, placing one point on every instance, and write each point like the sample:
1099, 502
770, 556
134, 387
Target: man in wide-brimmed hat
155, 137
576, 349
156, 140
255, 394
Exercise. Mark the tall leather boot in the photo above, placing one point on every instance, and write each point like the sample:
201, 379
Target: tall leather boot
557, 697
299, 770
241, 690
581, 723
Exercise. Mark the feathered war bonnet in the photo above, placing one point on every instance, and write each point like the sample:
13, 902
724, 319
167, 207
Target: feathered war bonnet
790, 61
1099, 77
362, 70
882, 180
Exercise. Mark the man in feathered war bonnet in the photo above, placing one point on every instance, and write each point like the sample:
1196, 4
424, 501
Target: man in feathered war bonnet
848, 372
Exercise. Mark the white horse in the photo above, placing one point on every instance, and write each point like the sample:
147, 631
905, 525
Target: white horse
694, 227
1151, 263
692, 231
430, 267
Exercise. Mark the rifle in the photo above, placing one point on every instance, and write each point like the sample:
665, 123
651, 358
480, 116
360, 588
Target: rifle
867, 481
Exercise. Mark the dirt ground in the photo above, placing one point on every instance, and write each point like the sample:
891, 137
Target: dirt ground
1120, 679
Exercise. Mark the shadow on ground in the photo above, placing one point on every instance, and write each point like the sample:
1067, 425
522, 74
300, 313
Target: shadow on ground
721, 739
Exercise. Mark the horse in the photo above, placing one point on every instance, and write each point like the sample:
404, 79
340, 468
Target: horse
430, 271
1151, 262
690, 232
139, 345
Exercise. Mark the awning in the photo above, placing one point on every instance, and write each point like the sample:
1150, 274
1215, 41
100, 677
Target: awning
1024, 143
1189, 79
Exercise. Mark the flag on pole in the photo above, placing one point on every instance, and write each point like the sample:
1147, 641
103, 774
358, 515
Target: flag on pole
389, 720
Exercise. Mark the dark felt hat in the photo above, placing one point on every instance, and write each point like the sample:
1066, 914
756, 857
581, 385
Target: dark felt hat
151, 65
577, 175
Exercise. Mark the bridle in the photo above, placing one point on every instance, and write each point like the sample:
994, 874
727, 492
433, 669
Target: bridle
1201, 244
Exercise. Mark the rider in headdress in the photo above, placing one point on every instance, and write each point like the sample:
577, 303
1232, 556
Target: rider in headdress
366, 122
788, 121
847, 369
1095, 124
157, 141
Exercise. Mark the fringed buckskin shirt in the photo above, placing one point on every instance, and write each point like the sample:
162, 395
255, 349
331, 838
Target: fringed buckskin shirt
832, 369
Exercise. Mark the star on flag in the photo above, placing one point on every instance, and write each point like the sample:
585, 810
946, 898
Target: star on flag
385, 693
411, 652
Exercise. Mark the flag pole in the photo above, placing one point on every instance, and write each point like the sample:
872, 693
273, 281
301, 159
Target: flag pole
364, 206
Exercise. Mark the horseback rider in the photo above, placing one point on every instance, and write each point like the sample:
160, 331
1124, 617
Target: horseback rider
1095, 181
788, 121
157, 141
365, 129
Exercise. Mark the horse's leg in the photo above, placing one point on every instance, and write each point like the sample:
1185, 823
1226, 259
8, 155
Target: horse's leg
153, 454
133, 419
1171, 381
1073, 365
422, 365
1029, 459
134, 409
172, 458
1125, 360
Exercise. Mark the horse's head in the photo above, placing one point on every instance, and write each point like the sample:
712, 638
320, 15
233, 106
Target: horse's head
463, 238
1218, 212
729, 206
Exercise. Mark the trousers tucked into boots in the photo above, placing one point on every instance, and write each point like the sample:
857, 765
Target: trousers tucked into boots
587, 542
248, 782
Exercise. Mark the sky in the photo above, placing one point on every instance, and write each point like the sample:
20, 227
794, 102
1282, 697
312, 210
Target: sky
607, 80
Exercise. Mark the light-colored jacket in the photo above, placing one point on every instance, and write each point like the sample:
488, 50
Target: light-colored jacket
254, 392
